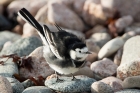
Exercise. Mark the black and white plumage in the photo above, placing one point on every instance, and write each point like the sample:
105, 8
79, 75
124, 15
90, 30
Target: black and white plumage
66, 53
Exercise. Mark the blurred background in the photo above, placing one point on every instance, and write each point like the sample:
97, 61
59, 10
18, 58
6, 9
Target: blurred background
96, 20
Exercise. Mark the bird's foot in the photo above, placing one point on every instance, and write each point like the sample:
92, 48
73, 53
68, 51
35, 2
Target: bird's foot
59, 80
74, 78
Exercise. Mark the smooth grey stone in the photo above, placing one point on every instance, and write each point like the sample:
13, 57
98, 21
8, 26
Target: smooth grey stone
23, 46
27, 83
7, 36
38, 89
9, 68
129, 91
16, 85
82, 84
131, 50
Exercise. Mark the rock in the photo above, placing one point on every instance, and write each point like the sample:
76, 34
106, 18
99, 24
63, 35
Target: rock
18, 29
7, 67
7, 44
92, 46
84, 71
57, 15
38, 89
4, 23
42, 15
129, 91
131, 82
29, 31
7, 36
118, 56
128, 69
92, 57
103, 68
23, 46
93, 13
123, 22
110, 47
39, 65
5, 2
123, 7
77, 33
134, 27
27, 83
114, 82
16, 85
128, 35
101, 38
131, 50
33, 6
100, 87
96, 29
82, 84
5, 86
78, 6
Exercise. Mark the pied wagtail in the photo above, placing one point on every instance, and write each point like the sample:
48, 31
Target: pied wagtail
66, 52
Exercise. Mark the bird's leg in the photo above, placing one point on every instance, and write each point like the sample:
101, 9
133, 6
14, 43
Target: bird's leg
74, 78
57, 78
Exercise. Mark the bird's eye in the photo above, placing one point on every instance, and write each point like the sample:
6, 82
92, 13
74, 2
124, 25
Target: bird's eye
79, 51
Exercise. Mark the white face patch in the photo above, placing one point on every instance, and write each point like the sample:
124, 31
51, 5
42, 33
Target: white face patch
79, 53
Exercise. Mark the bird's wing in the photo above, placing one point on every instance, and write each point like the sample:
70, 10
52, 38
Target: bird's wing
26, 16
52, 41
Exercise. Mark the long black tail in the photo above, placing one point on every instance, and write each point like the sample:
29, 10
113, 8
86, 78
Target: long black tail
26, 16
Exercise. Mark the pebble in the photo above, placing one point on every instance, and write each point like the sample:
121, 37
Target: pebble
110, 47
27, 83
128, 69
123, 7
114, 82
123, 22
86, 71
118, 57
100, 87
131, 82
23, 46
39, 65
29, 31
33, 6
92, 46
96, 29
129, 91
16, 85
78, 6
92, 57
128, 35
103, 68
5, 86
8, 68
8, 36
131, 50
57, 15
38, 89
82, 84
101, 38
93, 13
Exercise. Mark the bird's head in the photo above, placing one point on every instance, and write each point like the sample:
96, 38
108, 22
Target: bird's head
79, 52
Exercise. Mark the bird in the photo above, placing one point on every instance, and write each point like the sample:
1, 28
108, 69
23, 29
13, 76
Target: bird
67, 53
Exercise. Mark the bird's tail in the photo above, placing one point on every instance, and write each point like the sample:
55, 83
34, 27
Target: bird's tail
26, 16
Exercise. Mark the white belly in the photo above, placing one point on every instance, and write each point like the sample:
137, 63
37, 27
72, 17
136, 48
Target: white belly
66, 71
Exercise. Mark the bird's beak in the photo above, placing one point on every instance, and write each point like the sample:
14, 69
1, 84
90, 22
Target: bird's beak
88, 52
